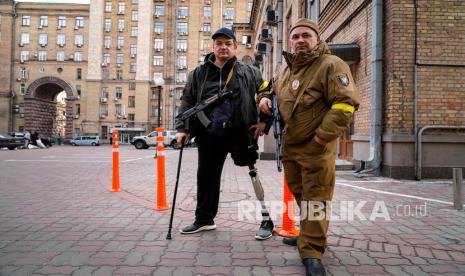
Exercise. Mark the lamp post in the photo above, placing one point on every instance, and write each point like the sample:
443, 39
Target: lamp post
159, 82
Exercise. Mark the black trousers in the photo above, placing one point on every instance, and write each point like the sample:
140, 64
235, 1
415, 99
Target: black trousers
212, 152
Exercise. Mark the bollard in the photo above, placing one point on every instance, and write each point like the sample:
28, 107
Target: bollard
161, 184
115, 147
458, 188
288, 228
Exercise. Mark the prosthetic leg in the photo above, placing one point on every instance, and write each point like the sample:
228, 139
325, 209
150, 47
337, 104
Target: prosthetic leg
266, 227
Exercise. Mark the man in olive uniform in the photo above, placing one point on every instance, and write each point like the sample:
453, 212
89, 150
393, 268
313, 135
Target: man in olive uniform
316, 98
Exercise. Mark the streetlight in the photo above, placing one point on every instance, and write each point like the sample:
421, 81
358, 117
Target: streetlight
159, 82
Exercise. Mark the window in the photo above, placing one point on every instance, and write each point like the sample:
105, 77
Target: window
118, 110
133, 50
206, 45
42, 55
107, 42
207, 12
249, 6
103, 109
120, 25
132, 85
22, 89
107, 24
119, 58
79, 22
119, 74
229, 13
24, 38
158, 44
107, 6
157, 75
131, 117
78, 109
181, 28
104, 93
79, 40
207, 27
159, 27
154, 111
78, 56
118, 92
61, 39
79, 73
133, 31
246, 39
134, 15
43, 38
61, 21
26, 20
182, 62
228, 25
60, 56
181, 77
183, 12
24, 56
133, 67
159, 11
135, 1
43, 21
131, 101
181, 45
121, 7
106, 58
120, 42
22, 73
106, 73
155, 94
78, 90
158, 60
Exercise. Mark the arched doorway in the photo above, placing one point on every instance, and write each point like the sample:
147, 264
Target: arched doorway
40, 106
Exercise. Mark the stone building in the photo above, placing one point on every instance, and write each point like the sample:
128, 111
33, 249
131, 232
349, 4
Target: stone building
122, 64
408, 61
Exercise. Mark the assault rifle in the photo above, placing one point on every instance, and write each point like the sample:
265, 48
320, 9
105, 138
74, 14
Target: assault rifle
275, 120
198, 109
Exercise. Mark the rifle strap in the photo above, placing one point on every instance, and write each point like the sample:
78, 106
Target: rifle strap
230, 74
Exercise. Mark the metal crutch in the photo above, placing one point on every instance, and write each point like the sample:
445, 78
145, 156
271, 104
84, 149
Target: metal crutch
168, 236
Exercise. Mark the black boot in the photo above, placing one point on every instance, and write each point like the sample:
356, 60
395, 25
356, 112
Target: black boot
292, 241
314, 267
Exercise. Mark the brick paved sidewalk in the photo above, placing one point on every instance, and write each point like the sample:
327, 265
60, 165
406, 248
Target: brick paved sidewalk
58, 218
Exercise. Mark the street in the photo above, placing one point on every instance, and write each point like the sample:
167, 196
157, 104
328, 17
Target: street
59, 217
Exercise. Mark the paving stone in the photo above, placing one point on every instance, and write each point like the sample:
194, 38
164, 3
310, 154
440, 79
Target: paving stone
71, 258
414, 270
213, 259
363, 258
84, 271
346, 258
260, 271
274, 259
395, 270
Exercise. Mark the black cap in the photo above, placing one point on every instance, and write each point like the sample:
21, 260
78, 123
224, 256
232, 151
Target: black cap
224, 31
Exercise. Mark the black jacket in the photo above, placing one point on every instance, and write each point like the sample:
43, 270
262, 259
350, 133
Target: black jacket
203, 79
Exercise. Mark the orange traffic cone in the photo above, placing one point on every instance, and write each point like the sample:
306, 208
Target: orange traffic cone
288, 229
115, 182
161, 184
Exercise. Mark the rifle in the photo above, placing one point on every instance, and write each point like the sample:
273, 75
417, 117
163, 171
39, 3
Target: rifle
198, 109
275, 119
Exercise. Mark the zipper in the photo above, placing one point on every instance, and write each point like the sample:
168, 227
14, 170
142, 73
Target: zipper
221, 78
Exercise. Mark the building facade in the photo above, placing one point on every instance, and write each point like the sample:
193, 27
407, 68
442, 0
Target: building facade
408, 62
121, 64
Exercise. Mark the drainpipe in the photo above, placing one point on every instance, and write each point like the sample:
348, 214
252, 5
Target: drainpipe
12, 97
279, 38
374, 162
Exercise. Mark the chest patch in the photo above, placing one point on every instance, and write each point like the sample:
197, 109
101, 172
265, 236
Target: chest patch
295, 84
343, 79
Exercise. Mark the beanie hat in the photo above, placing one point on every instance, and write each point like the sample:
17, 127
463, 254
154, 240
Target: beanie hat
305, 22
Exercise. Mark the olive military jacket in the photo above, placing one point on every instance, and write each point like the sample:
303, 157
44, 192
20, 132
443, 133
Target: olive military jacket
326, 94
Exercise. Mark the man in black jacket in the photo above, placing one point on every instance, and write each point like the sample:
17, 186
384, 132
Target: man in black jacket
234, 127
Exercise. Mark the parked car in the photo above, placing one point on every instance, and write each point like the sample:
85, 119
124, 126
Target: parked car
85, 141
10, 142
150, 140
